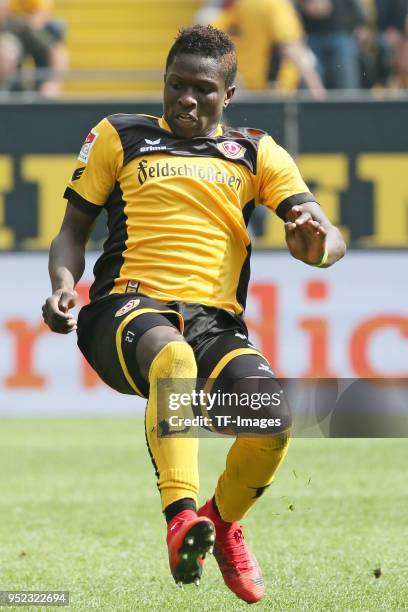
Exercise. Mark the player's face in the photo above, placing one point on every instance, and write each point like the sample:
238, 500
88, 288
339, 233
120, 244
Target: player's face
195, 95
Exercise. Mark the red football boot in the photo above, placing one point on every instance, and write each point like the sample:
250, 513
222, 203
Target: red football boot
189, 539
238, 565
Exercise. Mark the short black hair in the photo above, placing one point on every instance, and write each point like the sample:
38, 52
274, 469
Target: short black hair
206, 41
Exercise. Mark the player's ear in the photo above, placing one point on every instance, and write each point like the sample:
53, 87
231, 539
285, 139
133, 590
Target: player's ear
228, 95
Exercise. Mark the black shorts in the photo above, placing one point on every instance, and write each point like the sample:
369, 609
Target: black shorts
109, 329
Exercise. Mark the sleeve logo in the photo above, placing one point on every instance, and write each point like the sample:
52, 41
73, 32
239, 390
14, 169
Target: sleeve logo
87, 146
77, 174
231, 149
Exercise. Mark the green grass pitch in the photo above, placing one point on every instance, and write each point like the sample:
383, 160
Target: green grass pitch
79, 511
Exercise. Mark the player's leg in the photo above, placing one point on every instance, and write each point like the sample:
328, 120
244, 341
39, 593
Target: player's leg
253, 459
162, 353
250, 468
131, 344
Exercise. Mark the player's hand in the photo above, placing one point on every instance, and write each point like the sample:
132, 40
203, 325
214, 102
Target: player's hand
56, 311
305, 237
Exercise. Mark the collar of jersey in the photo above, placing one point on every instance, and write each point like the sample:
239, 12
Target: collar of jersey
165, 126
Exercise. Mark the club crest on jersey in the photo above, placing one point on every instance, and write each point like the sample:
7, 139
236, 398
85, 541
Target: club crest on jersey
87, 146
231, 149
128, 306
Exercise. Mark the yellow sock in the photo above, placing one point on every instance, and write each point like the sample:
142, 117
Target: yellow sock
251, 466
176, 459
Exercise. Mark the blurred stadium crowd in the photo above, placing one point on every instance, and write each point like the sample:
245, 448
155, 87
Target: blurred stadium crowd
318, 44
283, 45
33, 54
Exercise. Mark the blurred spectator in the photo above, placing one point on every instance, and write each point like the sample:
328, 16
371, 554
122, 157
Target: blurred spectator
259, 28
401, 66
35, 44
10, 55
333, 29
391, 16
38, 14
391, 25
31, 44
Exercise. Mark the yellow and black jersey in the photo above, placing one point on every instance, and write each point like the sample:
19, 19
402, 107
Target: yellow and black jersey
178, 209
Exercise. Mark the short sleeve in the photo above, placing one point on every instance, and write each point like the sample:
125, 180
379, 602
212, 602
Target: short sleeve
278, 183
99, 162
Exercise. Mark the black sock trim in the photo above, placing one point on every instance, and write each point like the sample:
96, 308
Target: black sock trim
178, 506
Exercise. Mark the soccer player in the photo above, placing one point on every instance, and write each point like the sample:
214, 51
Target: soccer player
170, 286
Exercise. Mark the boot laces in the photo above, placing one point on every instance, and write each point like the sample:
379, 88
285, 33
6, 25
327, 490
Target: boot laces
233, 553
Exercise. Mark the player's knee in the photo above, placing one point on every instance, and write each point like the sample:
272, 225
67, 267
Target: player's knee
175, 360
152, 343
258, 407
269, 407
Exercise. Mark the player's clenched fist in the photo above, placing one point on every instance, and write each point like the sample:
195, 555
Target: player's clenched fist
305, 236
56, 311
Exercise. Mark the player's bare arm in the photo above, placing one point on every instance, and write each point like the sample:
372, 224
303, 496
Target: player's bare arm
303, 60
66, 266
309, 233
